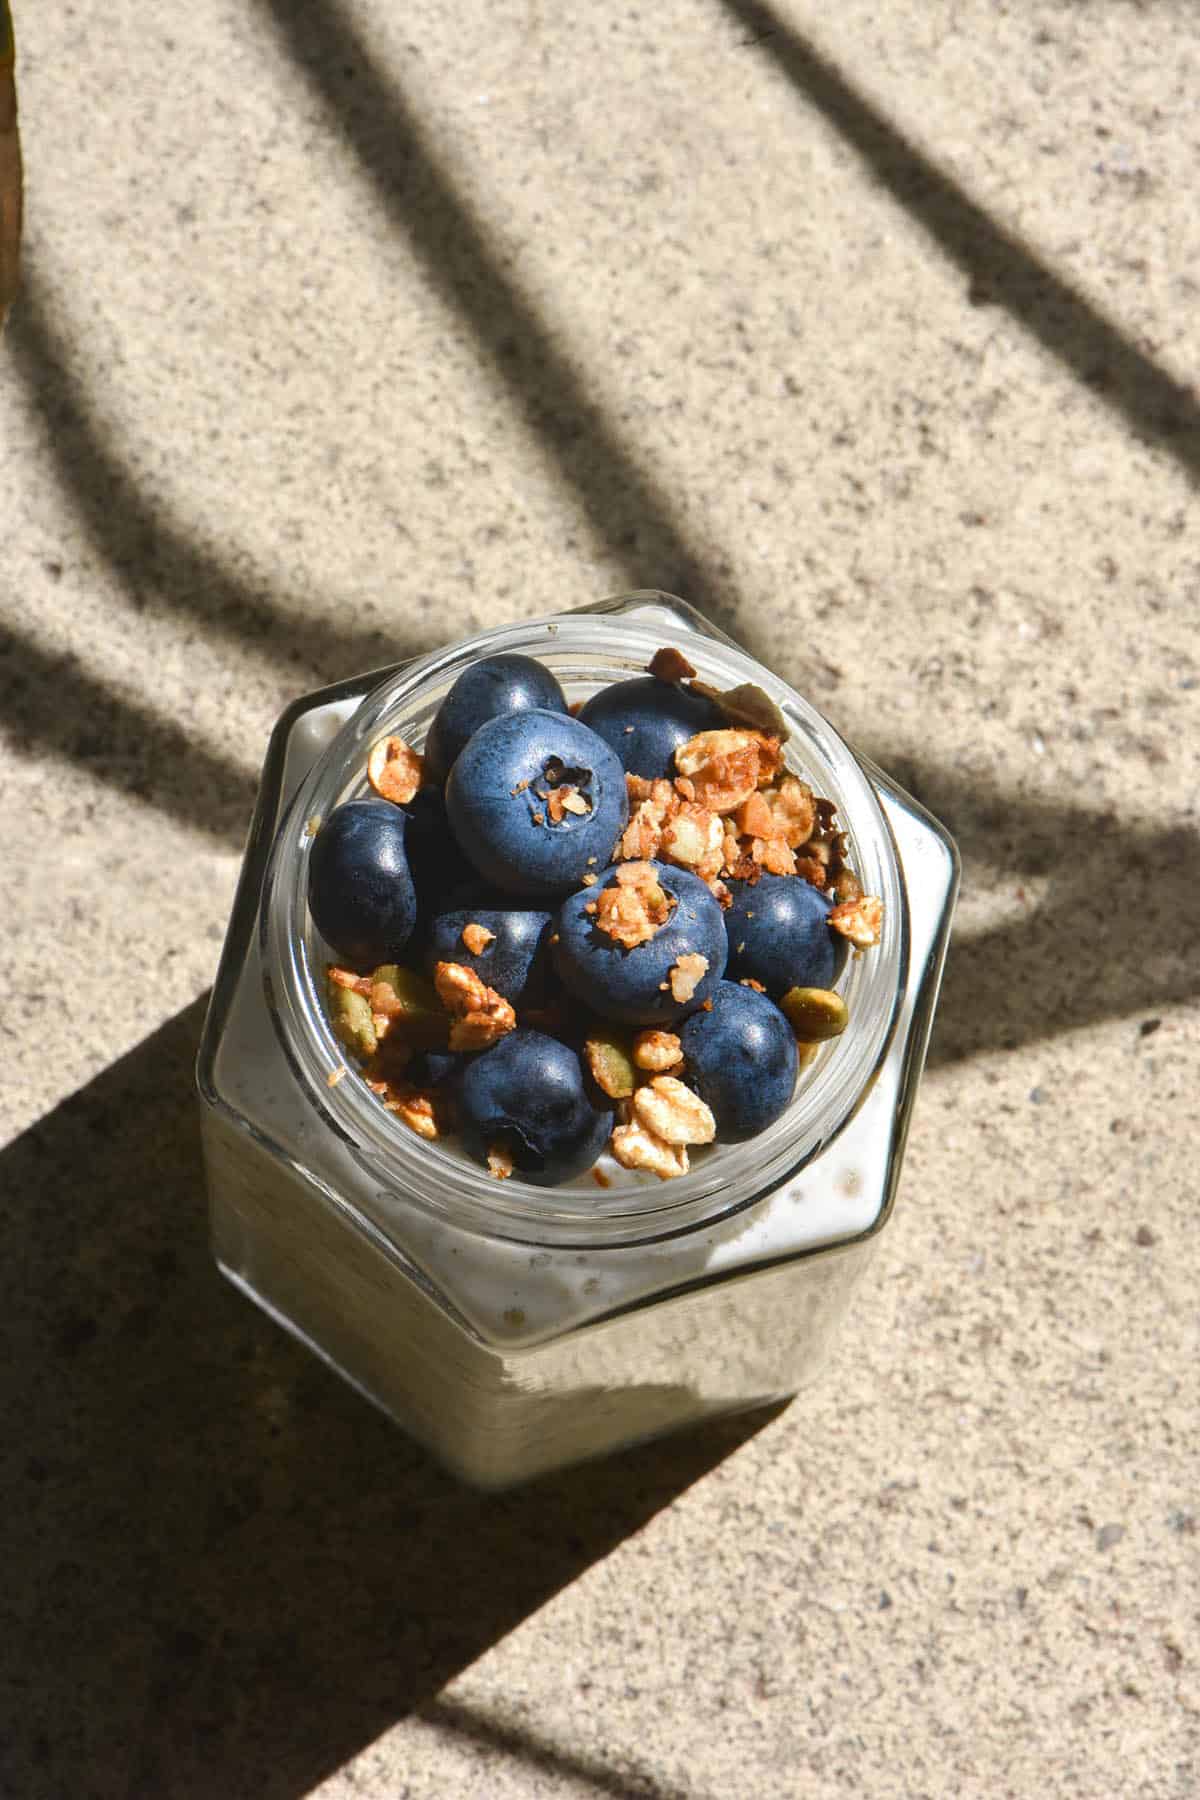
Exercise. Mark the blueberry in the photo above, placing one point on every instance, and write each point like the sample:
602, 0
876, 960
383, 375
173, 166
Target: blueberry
505, 800
634, 985
437, 864
527, 1094
495, 685
360, 889
741, 1060
514, 963
646, 720
778, 935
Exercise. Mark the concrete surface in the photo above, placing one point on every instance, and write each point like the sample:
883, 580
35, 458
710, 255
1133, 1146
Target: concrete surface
347, 328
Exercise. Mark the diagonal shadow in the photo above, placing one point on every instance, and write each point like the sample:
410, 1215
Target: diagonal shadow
520, 1743
1002, 271
225, 1574
629, 513
50, 704
1114, 934
150, 551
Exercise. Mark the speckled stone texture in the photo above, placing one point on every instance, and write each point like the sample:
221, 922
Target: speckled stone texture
348, 328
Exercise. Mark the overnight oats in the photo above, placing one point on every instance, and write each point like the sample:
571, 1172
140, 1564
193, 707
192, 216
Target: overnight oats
558, 1070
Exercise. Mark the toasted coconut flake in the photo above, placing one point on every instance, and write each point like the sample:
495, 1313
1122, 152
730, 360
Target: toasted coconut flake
477, 937
657, 1051
395, 771
670, 665
859, 920
481, 1015
686, 974
669, 1108
749, 981
336, 1075
636, 1148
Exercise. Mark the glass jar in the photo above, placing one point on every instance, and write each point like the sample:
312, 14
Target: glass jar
513, 1328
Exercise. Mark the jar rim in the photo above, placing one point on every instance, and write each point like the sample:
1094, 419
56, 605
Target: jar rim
610, 640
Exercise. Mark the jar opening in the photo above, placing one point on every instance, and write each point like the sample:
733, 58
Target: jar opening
586, 650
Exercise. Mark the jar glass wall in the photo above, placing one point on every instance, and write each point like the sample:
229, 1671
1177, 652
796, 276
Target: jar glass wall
515, 1327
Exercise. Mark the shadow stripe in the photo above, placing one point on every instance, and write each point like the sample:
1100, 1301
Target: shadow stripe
1002, 270
49, 704
628, 512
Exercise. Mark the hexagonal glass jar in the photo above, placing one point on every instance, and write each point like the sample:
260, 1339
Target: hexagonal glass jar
513, 1328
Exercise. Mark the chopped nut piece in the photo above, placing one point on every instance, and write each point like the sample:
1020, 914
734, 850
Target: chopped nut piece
721, 895
636, 1148
657, 1050
749, 981
481, 1015
670, 1109
611, 1070
385, 1001
566, 799
754, 817
773, 855
477, 937
415, 1109
859, 920
726, 767
814, 1014
394, 770
810, 870
793, 811
500, 1162
670, 665
686, 974
344, 978
638, 787
653, 804
601, 1179
585, 881
634, 907
746, 705
694, 838
412, 1105
847, 886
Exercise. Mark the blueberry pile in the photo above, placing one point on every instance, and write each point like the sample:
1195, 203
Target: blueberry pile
556, 936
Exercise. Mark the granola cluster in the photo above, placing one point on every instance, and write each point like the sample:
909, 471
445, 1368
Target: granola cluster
733, 813
729, 810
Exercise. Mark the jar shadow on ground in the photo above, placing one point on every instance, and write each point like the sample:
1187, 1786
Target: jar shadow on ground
226, 1571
